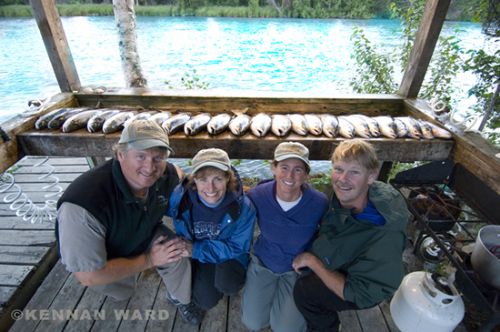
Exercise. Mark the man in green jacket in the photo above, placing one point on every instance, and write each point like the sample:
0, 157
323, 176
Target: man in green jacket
356, 260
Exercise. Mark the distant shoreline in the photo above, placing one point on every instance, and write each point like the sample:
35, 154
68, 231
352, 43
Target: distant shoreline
68, 10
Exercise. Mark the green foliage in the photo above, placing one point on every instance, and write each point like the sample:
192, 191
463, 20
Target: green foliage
374, 71
190, 80
410, 15
15, 11
85, 10
487, 68
446, 62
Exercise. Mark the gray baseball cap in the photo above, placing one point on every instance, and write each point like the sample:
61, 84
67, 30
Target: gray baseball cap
289, 150
144, 134
211, 157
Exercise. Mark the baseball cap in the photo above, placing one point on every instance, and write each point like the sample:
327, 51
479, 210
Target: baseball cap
211, 157
144, 134
289, 150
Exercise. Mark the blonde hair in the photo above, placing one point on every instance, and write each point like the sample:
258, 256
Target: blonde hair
232, 183
357, 150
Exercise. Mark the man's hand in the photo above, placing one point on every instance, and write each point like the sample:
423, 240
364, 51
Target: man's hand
304, 261
164, 252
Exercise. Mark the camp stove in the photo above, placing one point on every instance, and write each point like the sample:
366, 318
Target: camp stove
450, 205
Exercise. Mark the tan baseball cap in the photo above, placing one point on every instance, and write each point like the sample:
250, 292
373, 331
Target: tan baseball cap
289, 150
211, 157
144, 134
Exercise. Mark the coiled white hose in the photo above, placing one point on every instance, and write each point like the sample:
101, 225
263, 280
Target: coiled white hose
23, 205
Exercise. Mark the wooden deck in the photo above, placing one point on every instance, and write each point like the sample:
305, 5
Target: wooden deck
61, 297
27, 250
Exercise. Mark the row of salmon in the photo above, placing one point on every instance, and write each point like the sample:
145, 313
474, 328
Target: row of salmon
239, 123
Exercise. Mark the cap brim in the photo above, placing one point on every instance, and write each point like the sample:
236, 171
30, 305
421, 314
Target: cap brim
290, 156
149, 143
215, 164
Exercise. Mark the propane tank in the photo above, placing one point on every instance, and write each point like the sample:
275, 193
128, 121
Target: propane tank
425, 303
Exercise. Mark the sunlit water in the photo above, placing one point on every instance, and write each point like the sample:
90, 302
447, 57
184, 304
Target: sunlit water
228, 53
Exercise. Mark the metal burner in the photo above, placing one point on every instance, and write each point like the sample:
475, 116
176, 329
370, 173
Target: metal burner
450, 205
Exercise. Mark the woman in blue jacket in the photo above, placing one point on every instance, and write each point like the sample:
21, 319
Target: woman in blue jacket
211, 212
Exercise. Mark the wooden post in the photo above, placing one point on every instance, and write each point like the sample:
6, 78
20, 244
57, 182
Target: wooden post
56, 44
425, 42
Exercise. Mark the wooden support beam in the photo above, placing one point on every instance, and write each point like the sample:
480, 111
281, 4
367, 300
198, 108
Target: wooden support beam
423, 48
56, 44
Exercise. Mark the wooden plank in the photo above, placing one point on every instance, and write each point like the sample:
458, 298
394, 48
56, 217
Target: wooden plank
54, 161
15, 222
136, 314
109, 307
256, 102
62, 306
44, 296
35, 178
81, 143
372, 319
13, 275
161, 303
216, 318
56, 44
36, 187
349, 321
6, 293
234, 323
44, 169
37, 196
21, 255
27, 238
386, 311
90, 304
423, 47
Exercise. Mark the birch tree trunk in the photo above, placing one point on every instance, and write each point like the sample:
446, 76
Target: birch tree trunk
129, 55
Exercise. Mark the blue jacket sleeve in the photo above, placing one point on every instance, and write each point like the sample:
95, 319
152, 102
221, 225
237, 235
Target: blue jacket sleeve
233, 241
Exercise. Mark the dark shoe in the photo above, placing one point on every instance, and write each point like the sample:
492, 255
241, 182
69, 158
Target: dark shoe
190, 313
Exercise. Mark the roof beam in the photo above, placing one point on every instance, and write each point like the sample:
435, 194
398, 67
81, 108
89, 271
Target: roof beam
56, 44
423, 48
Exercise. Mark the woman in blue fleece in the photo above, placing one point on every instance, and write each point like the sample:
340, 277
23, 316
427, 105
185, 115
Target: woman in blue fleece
210, 211
288, 212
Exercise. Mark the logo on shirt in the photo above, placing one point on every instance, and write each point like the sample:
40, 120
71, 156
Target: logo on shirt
206, 230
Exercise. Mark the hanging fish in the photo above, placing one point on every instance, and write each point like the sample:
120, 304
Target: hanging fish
372, 125
299, 124
330, 125
360, 126
386, 126
57, 120
116, 122
95, 122
346, 129
218, 123
78, 120
260, 124
425, 129
160, 117
313, 123
239, 124
412, 126
43, 121
437, 131
401, 129
196, 124
139, 116
175, 122
281, 124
